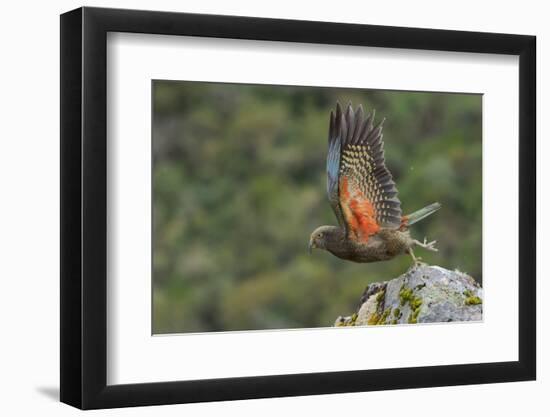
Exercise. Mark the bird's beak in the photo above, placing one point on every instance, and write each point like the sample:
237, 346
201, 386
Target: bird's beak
311, 245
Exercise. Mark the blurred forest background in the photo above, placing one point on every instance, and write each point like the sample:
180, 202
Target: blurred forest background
239, 184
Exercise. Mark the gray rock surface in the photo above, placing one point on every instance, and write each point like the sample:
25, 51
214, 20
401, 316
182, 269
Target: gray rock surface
424, 294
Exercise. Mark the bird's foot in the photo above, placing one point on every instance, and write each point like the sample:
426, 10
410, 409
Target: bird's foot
417, 261
427, 245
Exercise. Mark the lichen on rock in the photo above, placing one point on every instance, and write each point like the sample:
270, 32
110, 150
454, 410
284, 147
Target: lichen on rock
424, 294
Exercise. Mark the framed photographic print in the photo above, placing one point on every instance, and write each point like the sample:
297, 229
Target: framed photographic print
258, 207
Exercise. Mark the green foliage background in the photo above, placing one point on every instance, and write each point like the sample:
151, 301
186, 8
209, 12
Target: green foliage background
239, 185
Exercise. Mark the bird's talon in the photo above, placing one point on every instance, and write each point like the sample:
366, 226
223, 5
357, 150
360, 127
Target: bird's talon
418, 262
427, 245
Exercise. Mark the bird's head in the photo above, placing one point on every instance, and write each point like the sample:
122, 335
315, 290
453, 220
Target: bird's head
323, 237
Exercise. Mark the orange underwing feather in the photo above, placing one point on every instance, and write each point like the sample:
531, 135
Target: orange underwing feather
358, 212
404, 223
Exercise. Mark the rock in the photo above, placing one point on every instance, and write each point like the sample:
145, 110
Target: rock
424, 294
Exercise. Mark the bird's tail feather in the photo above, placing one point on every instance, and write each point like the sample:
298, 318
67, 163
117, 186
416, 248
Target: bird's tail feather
422, 213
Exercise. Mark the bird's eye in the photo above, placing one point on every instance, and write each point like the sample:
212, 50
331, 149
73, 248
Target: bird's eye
320, 235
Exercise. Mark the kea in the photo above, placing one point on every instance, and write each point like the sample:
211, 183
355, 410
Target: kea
363, 195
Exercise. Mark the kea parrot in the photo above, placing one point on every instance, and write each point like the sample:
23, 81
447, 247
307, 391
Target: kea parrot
363, 195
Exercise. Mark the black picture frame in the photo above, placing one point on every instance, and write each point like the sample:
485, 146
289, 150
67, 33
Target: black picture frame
84, 207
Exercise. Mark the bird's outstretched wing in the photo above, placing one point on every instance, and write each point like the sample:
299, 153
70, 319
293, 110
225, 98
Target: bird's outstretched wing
333, 166
360, 188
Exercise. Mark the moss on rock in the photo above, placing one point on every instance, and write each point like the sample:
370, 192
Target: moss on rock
472, 300
405, 294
